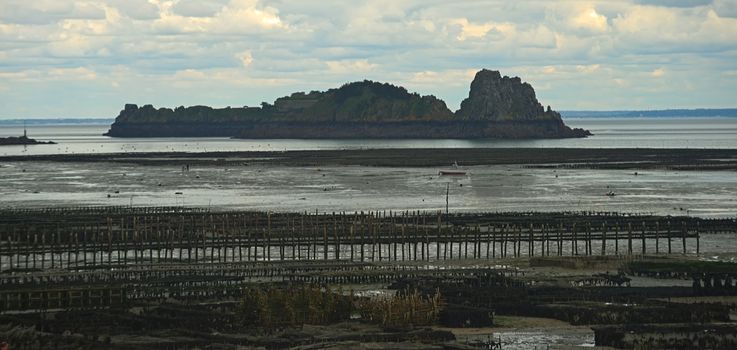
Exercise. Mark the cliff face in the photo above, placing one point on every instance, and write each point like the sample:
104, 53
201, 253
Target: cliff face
502, 99
497, 107
493, 97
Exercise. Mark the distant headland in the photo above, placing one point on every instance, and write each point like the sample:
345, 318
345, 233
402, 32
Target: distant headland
497, 107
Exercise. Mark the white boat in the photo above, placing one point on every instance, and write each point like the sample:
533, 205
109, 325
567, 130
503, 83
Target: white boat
455, 170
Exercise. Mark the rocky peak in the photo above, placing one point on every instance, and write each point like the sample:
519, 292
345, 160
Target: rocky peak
501, 98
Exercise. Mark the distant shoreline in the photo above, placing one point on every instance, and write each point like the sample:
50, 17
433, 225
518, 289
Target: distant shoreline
656, 113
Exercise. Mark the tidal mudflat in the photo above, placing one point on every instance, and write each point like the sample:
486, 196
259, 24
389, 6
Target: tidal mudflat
486, 188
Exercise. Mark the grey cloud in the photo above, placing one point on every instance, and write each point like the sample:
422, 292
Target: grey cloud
46, 12
675, 3
198, 8
726, 8
136, 9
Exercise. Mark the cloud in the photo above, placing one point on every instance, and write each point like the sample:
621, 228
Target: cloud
246, 58
588, 69
78, 73
188, 74
549, 70
41, 12
657, 73
587, 18
481, 30
675, 3
726, 8
141, 10
171, 51
659, 29
348, 67
237, 16
451, 77
198, 8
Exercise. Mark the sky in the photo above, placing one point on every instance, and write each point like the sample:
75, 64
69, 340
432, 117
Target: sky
64, 58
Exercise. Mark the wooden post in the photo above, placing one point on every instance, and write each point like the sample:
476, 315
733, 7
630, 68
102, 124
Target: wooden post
404, 236
426, 245
268, 237
657, 237
616, 238
437, 238
374, 229
503, 244
669, 238
336, 237
644, 248
325, 241
353, 235
546, 238
492, 241
629, 238
698, 237
603, 238
394, 235
684, 231
560, 238
574, 240
519, 241
531, 242
301, 237
589, 251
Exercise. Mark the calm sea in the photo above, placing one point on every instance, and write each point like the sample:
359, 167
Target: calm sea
608, 133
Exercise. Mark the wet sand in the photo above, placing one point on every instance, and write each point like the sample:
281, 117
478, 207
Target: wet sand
488, 188
630, 158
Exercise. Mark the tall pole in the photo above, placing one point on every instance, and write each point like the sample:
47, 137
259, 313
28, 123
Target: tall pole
447, 194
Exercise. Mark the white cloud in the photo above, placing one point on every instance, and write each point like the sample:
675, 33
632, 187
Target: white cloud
33, 75
350, 67
480, 30
453, 77
246, 58
549, 70
588, 69
188, 74
238, 16
661, 29
587, 18
657, 73
78, 73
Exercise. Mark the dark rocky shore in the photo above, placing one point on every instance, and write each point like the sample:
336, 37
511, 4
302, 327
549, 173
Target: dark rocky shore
631, 158
497, 107
22, 140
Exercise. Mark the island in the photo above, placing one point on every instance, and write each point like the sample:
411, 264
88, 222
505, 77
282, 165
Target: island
497, 107
22, 140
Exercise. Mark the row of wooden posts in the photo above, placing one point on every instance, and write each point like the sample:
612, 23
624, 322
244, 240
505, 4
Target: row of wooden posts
126, 239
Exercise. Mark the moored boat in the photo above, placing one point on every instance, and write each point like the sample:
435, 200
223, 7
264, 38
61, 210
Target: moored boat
455, 170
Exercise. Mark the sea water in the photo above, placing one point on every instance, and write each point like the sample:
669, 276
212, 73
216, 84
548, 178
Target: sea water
711, 132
